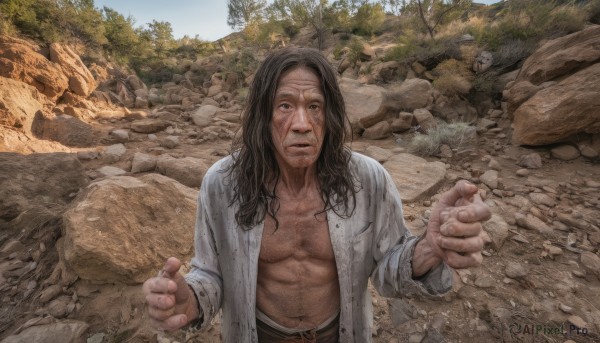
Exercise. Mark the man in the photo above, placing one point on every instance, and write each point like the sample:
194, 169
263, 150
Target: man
292, 225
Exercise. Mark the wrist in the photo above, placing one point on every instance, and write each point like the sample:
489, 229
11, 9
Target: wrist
193, 311
424, 257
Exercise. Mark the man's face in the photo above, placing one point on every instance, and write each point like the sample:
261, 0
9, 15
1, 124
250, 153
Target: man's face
298, 121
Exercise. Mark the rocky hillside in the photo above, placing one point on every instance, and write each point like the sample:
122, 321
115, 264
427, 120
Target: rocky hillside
99, 174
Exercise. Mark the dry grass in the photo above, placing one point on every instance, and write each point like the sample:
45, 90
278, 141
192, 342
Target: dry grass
456, 135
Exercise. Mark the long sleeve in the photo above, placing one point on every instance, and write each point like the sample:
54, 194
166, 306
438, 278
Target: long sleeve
393, 247
205, 276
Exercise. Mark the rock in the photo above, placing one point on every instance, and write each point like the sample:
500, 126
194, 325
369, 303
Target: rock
169, 142
571, 221
415, 178
50, 293
485, 281
58, 308
542, 199
65, 129
522, 172
490, 178
591, 262
424, 119
367, 53
531, 161
565, 152
485, 124
120, 135
143, 163
379, 154
446, 151
31, 185
81, 80
135, 83
483, 62
497, 229
114, 153
108, 171
189, 171
149, 125
20, 61
401, 311
87, 155
403, 122
412, 94
494, 164
67, 331
378, 131
364, 103
105, 244
587, 151
562, 56
97, 338
19, 104
532, 223
518, 93
578, 322
551, 115
204, 115
592, 184
515, 270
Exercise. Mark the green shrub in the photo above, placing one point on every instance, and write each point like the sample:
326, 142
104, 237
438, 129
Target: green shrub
456, 135
368, 19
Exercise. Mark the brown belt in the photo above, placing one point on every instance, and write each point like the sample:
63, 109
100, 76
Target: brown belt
327, 334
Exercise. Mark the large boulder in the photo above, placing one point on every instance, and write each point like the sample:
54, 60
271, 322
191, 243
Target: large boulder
368, 105
19, 102
122, 229
66, 130
19, 60
81, 80
415, 178
554, 95
30, 183
562, 56
362, 102
561, 111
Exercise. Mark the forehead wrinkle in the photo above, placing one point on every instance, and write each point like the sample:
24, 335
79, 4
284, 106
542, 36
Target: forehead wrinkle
309, 94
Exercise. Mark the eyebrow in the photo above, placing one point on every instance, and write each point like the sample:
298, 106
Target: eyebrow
309, 96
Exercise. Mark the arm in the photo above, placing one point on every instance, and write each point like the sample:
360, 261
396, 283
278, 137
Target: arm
204, 277
397, 252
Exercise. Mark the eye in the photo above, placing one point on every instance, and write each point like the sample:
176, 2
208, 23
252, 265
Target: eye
314, 107
285, 106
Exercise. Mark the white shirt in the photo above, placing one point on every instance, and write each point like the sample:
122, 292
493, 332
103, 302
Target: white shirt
374, 242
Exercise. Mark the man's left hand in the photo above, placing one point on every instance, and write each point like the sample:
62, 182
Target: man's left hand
455, 233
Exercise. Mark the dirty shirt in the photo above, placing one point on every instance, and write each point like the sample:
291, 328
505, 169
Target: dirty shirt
374, 242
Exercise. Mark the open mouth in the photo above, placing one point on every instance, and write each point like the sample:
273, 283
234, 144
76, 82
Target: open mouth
301, 145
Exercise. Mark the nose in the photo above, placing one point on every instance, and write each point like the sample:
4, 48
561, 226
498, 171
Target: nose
300, 121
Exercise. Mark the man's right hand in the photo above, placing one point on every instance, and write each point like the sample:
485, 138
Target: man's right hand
171, 302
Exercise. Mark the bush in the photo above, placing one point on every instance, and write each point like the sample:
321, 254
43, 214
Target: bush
368, 19
456, 135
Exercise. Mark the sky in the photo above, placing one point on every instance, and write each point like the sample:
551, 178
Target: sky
205, 18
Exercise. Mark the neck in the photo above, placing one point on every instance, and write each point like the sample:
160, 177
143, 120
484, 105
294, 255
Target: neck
298, 181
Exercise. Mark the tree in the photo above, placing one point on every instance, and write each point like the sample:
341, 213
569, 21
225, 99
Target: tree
120, 33
161, 36
433, 12
242, 12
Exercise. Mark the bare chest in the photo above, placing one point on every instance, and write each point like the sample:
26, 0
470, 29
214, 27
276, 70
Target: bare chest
303, 233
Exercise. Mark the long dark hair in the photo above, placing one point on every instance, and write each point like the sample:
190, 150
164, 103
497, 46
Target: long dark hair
254, 166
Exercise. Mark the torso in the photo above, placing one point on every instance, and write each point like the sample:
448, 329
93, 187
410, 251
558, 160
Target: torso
297, 283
